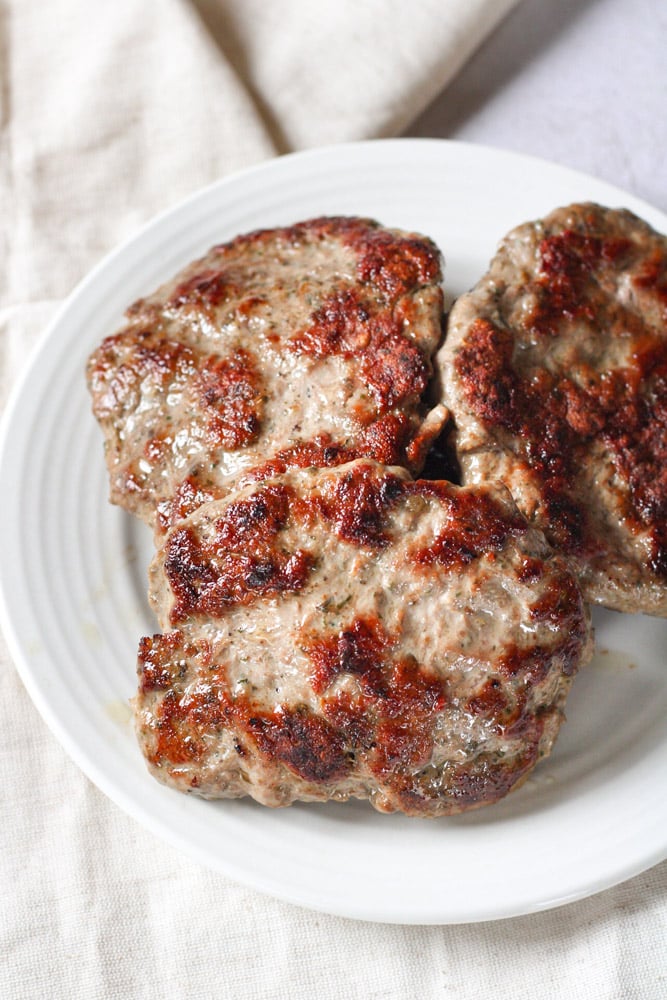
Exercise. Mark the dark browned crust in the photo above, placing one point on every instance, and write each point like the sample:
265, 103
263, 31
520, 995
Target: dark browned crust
600, 281
242, 563
478, 523
351, 325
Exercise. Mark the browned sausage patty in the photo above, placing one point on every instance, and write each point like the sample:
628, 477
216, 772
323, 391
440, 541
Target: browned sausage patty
555, 370
350, 632
301, 346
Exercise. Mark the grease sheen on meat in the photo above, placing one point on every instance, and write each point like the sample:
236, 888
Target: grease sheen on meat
555, 371
298, 346
350, 632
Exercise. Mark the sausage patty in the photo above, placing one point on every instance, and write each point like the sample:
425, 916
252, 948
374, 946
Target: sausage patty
554, 368
350, 632
300, 346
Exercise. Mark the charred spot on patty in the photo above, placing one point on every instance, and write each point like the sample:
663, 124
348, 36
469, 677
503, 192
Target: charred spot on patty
240, 562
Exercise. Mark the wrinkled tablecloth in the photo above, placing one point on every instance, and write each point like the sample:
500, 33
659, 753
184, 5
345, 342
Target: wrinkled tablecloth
111, 112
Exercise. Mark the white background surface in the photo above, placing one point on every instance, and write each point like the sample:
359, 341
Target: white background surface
579, 82
91, 904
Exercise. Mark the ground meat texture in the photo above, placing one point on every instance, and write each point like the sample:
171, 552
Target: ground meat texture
305, 345
554, 369
351, 633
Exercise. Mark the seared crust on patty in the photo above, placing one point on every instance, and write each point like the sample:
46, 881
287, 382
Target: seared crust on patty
554, 369
305, 345
350, 632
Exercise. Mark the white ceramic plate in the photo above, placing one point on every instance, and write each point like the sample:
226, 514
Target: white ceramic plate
73, 586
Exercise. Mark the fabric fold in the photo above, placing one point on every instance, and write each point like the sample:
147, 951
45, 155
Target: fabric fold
111, 118
325, 73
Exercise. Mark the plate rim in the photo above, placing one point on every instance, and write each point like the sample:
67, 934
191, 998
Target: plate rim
16, 650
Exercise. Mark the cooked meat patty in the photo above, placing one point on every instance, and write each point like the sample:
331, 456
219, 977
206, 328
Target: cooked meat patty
555, 371
350, 632
306, 345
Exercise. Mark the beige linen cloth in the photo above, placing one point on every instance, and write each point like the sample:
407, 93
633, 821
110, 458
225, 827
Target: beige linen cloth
111, 112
